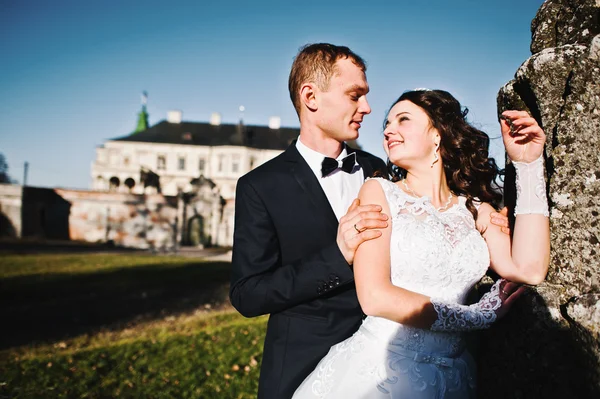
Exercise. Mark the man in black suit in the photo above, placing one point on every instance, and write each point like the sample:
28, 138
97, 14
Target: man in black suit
293, 246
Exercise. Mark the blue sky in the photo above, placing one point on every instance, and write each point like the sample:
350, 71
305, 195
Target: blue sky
72, 72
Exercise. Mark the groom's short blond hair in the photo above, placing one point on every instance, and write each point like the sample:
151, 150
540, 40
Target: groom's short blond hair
315, 63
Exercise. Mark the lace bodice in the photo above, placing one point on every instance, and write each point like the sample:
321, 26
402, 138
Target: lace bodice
434, 253
438, 254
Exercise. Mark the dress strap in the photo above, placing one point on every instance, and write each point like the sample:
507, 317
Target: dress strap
396, 198
476, 201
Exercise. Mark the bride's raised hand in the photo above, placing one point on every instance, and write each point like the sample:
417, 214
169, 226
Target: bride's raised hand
523, 138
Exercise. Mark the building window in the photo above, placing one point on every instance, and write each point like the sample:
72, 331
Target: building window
235, 163
113, 157
201, 164
100, 183
221, 163
141, 156
161, 162
114, 183
130, 183
181, 163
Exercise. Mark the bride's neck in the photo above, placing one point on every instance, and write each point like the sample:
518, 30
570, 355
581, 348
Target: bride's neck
429, 183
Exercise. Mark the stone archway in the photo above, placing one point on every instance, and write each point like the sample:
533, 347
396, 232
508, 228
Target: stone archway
129, 183
114, 183
7, 229
195, 231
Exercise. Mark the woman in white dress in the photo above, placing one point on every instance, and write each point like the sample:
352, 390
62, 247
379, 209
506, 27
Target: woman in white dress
412, 282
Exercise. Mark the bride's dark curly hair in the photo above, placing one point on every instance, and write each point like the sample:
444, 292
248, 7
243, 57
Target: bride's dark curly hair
463, 149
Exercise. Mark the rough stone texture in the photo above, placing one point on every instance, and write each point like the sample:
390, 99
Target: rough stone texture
564, 22
549, 345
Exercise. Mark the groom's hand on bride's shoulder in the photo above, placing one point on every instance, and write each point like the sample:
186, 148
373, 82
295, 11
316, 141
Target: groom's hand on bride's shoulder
361, 223
501, 219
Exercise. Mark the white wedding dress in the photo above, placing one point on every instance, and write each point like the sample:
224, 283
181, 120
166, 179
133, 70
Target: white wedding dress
438, 254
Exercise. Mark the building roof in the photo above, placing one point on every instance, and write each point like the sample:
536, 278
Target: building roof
205, 134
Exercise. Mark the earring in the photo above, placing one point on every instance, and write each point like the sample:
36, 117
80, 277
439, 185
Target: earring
435, 155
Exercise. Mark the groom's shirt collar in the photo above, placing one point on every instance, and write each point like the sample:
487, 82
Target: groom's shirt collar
339, 187
314, 159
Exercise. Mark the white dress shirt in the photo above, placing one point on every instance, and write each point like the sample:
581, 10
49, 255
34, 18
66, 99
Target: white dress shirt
340, 188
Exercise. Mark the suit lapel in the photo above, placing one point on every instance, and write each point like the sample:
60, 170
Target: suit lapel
309, 184
365, 165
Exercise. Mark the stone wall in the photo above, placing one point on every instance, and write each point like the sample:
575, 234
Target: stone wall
549, 344
129, 220
10, 210
155, 221
45, 214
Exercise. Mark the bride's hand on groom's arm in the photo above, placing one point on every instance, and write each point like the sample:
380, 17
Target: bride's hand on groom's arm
361, 223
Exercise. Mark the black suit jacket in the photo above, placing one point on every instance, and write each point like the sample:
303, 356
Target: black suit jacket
286, 263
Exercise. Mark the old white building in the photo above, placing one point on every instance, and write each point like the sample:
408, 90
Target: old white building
189, 158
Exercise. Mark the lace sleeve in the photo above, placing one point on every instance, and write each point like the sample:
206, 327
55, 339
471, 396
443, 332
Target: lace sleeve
531, 188
479, 316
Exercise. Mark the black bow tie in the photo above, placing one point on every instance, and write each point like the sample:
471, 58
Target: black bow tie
346, 164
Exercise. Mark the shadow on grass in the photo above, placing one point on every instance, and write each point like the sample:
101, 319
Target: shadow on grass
55, 306
34, 245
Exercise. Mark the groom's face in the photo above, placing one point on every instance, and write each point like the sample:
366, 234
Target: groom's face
343, 106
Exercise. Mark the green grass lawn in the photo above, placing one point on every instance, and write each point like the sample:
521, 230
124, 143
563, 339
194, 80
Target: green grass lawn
47, 297
97, 326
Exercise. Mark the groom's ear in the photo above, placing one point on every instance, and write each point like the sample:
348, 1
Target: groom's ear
308, 96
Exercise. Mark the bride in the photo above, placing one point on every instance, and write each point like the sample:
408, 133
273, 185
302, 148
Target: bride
412, 282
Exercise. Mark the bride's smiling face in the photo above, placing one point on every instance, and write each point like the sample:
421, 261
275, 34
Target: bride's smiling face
409, 139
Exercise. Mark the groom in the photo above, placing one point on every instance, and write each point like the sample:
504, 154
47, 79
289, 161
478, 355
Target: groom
294, 242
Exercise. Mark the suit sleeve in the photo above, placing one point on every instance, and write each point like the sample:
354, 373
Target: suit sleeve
260, 283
